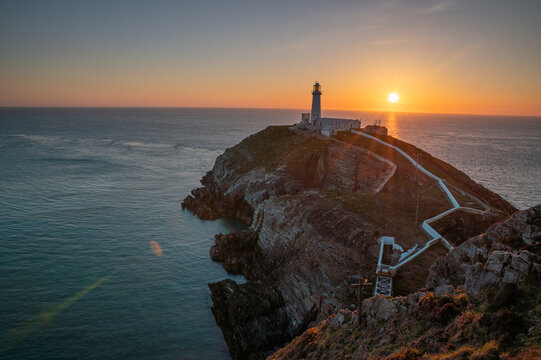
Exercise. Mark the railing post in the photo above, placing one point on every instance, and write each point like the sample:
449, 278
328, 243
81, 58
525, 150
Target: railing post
361, 286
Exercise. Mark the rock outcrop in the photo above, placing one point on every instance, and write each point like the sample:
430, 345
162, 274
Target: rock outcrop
305, 265
508, 252
316, 207
482, 301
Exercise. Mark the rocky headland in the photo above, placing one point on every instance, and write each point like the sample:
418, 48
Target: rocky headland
316, 207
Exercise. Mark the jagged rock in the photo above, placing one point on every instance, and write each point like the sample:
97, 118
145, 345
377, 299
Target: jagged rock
498, 256
444, 290
447, 323
239, 252
253, 317
380, 307
198, 202
309, 267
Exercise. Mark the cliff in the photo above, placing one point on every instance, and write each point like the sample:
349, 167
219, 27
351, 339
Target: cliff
317, 207
481, 301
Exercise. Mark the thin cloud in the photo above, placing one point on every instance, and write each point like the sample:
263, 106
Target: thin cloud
458, 56
391, 41
438, 7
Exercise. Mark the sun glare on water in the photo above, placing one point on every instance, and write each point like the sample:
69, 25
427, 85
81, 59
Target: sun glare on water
393, 97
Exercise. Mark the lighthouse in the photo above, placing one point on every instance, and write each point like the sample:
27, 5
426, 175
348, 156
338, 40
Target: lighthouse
316, 103
324, 125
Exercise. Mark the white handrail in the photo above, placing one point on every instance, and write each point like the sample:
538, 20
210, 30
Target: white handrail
384, 240
435, 236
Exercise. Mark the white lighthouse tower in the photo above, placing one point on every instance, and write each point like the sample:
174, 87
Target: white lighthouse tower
315, 113
324, 125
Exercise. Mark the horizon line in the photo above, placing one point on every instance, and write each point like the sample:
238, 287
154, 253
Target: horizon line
253, 108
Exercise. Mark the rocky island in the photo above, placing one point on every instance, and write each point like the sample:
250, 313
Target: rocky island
318, 208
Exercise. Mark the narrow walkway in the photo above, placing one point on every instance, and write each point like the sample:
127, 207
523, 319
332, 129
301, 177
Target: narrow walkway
382, 281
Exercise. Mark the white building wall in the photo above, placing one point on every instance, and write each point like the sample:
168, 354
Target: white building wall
316, 107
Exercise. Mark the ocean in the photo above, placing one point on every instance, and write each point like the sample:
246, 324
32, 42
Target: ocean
85, 192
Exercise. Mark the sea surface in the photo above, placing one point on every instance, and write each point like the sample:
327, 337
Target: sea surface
85, 192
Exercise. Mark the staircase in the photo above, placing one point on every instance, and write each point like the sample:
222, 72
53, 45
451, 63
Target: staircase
384, 285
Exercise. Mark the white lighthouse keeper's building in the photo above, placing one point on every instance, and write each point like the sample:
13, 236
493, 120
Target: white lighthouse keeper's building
327, 126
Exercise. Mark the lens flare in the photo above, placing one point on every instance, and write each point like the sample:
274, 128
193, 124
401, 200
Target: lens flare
156, 248
17, 334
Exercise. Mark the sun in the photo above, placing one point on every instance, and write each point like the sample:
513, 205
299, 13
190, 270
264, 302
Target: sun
393, 97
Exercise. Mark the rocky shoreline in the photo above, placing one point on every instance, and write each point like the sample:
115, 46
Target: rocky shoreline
316, 208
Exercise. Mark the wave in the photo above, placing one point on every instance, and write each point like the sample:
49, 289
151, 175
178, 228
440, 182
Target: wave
143, 144
71, 160
111, 142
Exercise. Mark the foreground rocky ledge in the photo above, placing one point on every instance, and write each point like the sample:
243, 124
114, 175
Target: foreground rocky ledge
316, 207
482, 301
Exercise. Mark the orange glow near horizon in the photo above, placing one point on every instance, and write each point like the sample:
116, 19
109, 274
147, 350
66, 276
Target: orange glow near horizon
340, 100
440, 85
435, 57
336, 96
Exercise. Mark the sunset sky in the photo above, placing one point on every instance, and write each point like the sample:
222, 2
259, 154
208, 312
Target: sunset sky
455, 56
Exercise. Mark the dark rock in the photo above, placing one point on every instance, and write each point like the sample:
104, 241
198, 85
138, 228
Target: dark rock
506, 295
198, 203
506, 323
208, 205
254, 318
239, 252
462, 225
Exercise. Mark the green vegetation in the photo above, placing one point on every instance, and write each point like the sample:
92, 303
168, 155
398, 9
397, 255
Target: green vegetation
393, 213
444, 328
439, 168
266, 148
276, 146
413, 275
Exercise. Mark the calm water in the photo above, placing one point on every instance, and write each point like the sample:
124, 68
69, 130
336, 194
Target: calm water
83, 192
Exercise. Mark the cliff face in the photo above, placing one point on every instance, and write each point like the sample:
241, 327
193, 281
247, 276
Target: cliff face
276, 162
482, 302
316, 207
507, 253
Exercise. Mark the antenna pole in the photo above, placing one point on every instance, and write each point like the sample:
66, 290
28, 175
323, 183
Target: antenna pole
418, 156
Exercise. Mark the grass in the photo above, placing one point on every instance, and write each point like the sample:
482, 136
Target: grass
266, 148
438, 167
465, 200
394, 209
412, 276
489, 350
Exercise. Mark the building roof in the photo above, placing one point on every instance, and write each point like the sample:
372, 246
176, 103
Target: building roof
337, 119
375, 126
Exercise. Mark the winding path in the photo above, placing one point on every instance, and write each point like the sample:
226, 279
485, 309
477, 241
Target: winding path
385, 272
